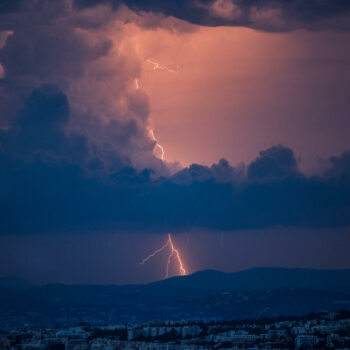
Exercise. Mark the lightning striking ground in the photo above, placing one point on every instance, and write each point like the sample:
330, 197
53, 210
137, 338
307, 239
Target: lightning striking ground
174, 253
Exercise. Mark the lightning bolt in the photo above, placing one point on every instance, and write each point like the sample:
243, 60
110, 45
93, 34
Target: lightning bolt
174, 253
156, 252
157, 65
157, 144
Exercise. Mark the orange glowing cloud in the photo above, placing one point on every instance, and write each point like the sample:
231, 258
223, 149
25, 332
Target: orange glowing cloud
239, 90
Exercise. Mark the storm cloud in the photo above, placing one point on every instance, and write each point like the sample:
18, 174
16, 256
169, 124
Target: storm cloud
46, 187
82, 53
75, 150
266, 15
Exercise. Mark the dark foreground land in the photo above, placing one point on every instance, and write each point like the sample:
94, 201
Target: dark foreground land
203, 296
329, 330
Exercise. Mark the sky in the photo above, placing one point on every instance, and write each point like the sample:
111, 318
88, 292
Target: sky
248, 100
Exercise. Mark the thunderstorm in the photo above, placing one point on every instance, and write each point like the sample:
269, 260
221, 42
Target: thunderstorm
173, 254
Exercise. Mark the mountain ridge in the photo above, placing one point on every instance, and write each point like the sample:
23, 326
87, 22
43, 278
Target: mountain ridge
255, 278
252, 293
264, 278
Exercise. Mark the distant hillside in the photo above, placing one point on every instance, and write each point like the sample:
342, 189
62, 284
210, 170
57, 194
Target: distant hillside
263, 278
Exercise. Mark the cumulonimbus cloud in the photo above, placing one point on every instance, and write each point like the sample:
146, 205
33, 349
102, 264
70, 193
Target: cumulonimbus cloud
46, 188
82, 53
267, 15
75, 151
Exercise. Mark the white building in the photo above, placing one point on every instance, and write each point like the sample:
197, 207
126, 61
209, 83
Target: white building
305, 340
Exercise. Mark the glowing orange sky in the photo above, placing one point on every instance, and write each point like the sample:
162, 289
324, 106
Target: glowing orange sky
239, 91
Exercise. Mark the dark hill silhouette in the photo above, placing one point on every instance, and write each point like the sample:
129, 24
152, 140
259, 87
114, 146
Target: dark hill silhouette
253, 293
263, 278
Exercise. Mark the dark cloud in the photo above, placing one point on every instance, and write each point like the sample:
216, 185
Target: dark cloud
340, 166
75, 153
81, 53
8, 6
39, 132
268, 15
275, 162
221, 172
48, 184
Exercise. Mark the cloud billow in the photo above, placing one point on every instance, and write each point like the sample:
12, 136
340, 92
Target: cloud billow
47, 185
266, 15
79, 52
75, 152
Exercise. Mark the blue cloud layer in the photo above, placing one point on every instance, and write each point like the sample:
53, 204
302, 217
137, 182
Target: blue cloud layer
75, 157
267, 15
48, 185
